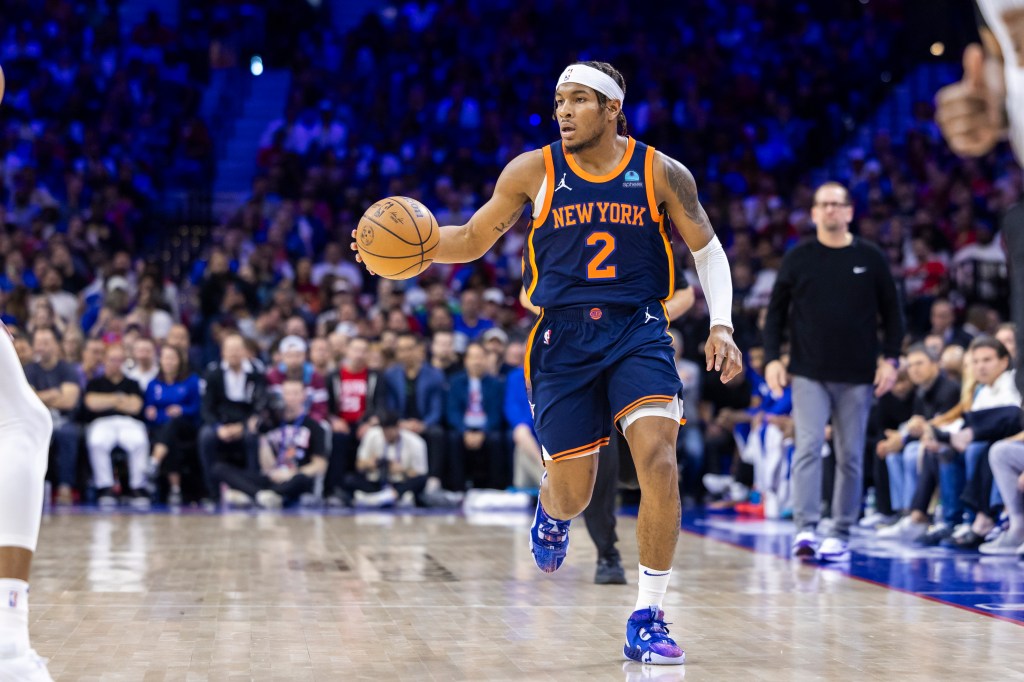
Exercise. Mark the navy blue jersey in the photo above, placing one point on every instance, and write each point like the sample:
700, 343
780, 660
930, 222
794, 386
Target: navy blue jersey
598, 239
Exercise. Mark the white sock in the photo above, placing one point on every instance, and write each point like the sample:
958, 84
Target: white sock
653, 584
13, 617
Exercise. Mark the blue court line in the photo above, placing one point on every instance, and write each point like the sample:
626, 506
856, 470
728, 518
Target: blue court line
989, 586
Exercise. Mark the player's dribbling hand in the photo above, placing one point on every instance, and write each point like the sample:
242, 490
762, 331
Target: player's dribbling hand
359, 259
776, 377
722, 354
971, 112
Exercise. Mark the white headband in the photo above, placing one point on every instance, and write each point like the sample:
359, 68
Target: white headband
592, 78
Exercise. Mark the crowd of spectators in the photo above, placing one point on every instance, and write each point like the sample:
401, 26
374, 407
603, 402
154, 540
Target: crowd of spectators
279, 371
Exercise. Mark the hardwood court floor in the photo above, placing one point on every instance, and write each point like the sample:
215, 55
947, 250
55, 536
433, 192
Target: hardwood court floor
386, 596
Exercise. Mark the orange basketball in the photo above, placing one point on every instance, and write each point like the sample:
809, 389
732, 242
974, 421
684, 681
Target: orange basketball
397, 237
2, 85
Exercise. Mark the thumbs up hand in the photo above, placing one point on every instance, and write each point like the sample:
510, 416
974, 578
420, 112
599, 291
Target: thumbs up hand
972, 113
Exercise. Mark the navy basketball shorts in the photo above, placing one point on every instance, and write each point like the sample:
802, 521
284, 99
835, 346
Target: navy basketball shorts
594, 367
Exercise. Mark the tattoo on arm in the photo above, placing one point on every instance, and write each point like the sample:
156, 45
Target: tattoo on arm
681, 181
510, 221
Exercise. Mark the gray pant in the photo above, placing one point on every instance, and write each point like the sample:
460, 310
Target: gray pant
1007, 461
848, 405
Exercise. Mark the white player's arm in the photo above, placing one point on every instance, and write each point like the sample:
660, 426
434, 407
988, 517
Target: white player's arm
681, 301
675, 189
512, 192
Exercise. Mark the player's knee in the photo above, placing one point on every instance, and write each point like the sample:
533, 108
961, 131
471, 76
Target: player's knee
568, 503
661, 467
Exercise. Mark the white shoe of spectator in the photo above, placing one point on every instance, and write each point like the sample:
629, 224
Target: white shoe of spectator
140, 502
106, 502
268, 499
237, 499
904, 531
29, 667
738, 492
805, 545
716, 484
384, 497
834, 550
876, 520
960, 530
1004, 545
445, 499
310, 501
408, 500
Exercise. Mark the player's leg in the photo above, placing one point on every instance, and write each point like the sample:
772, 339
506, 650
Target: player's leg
652, 439
565, 491
571, 416
644, 391
25, 429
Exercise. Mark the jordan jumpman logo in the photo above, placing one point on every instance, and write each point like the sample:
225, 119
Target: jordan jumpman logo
561, 184
647, 312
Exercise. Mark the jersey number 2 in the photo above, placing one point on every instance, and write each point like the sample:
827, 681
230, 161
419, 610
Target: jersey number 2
596, 269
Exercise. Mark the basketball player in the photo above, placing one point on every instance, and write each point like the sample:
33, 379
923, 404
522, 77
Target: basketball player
25, 428
598, 262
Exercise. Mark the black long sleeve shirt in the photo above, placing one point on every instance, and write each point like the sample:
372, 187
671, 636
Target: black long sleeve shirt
831, 302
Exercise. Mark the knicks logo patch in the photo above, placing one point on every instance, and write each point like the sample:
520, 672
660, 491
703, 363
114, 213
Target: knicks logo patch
595, 313
547, 337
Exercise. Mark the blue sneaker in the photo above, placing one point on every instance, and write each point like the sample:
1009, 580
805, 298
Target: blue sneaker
647, 639
549, 540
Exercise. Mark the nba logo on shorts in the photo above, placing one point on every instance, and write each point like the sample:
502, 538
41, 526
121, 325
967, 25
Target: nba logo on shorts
547, 337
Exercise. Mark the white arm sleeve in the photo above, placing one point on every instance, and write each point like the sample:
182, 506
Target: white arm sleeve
716, 281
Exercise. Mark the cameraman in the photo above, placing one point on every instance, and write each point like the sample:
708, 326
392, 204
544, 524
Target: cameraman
391, 465
291, 454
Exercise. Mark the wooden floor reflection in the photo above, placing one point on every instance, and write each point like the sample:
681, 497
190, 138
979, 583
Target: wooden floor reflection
403, 597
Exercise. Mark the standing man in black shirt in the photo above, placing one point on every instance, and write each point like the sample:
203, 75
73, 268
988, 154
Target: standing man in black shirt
830, 295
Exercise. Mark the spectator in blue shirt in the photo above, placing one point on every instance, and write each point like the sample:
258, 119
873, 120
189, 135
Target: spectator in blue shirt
172, 411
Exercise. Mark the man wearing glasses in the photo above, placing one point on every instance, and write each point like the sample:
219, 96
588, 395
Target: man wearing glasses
831, 294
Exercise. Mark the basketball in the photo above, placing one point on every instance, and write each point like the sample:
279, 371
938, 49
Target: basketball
397, 237
1, 84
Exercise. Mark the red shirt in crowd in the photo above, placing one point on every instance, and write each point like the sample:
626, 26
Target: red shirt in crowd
352, 400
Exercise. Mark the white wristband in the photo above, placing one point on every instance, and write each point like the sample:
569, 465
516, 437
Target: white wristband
716, 281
